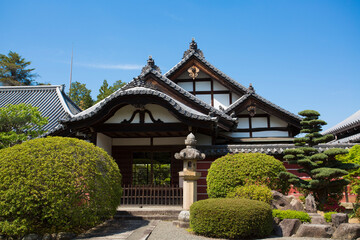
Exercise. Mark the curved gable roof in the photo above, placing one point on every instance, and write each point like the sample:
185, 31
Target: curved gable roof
194, 54
181, 108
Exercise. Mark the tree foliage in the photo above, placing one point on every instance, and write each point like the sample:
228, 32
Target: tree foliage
13, 70
325, 171
353, 157
106, 90
80, 95
18, 123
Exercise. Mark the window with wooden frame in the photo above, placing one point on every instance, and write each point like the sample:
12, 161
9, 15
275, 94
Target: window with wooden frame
209, 91
261, 125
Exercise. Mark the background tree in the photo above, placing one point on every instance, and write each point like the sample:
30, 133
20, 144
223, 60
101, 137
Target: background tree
13, 70
81, 95
324, 170
354, 175
19, 123
106, 90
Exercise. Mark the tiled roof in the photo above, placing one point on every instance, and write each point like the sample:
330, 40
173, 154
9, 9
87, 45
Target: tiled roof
139, 87
212, 67
51, 101
231, 81
220, 150
352, 121
181, 108
350, 139
261, 99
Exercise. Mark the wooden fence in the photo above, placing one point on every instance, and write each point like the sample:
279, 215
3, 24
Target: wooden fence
152, 195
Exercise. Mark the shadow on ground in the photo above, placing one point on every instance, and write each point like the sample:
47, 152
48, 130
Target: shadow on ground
120, 228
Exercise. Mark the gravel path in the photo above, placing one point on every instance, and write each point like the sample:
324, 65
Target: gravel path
167, 231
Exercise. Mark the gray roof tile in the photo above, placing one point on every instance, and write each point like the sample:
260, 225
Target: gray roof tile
352, 121
51, 101
182, 109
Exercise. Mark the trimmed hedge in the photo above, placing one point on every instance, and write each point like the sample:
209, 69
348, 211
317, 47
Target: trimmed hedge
231, 218
56, 184
253, 192
233, 170
291, 214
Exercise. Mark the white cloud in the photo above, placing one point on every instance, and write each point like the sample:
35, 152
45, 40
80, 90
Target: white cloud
111, 66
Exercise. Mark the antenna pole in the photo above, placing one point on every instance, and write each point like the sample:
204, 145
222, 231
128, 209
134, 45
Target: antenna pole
71, 64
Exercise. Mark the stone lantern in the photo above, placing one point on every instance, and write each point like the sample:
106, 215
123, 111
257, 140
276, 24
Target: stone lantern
189, 155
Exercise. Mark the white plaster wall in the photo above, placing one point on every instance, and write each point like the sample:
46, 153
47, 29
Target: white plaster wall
131, 142
203, 139
104, 142
259, 122
188, 86
243, 123
234, 97
161, 113
244, 112
169, 141
203, 86
218, 86
122, 114
221, 100
201, 74
260, 111
184, 75
271, 134
277, 122
205, 98
238, 134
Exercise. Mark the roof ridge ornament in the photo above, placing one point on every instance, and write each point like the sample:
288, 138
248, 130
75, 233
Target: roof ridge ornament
193, 48
251, 89
150, 65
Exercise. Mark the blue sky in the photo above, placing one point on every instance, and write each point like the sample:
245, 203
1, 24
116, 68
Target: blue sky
297, 54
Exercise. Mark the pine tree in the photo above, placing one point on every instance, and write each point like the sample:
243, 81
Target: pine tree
324, 170
106, 90
13, 70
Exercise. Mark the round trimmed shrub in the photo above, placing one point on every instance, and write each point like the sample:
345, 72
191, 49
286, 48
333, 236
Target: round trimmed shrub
251, 191
233, 170
231, 218
56, 184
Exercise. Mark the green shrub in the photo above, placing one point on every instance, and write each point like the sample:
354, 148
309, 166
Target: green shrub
56, 184
357, 214
327, 216
251, 191
233, 170
291, 214
231, 218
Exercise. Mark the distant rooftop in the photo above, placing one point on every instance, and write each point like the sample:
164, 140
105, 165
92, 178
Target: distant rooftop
51, 100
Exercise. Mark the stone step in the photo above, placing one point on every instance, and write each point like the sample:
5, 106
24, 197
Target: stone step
146, 217
148, 212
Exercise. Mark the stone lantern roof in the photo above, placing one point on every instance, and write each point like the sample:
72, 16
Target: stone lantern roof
190, 152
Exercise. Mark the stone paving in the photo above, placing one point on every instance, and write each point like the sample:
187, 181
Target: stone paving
150, 230
118, 230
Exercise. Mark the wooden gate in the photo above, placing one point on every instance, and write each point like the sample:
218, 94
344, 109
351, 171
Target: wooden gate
152, 195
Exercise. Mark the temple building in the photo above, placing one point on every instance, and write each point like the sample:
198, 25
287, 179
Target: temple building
146, 122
